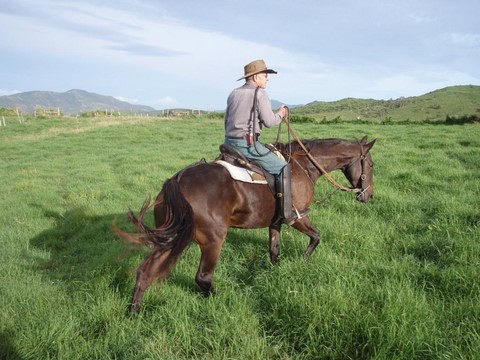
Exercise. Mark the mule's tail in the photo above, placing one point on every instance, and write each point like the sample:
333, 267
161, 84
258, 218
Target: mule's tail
175, 232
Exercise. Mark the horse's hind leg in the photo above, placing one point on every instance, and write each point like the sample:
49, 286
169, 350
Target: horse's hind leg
210, 250
146, 274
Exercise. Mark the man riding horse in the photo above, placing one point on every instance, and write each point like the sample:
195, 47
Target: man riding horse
248, 110
202, 201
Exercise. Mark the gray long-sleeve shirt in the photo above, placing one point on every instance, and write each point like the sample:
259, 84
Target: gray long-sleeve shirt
239, 107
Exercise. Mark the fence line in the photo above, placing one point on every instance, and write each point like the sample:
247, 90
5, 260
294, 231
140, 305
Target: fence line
12, 112
47, 112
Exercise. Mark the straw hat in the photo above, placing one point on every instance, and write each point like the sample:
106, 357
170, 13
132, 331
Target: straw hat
256, 67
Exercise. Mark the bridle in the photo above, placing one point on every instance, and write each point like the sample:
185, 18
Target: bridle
363, 158
363, 176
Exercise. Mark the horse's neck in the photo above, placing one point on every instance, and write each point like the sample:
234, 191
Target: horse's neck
333, 161
328, 158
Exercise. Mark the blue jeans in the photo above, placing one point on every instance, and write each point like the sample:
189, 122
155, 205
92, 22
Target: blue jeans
271, 162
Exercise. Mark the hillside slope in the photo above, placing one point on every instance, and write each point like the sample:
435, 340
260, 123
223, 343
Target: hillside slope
70, 102
437, 105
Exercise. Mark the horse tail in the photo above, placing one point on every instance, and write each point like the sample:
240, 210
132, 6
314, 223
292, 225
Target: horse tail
174, 234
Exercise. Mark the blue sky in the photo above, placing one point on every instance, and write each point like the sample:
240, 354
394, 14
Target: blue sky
189, 53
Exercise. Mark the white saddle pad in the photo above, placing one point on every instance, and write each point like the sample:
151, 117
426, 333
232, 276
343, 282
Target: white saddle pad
242, 174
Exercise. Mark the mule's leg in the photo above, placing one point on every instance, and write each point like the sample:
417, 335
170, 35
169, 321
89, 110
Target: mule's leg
274, 232
305, 226
146, 274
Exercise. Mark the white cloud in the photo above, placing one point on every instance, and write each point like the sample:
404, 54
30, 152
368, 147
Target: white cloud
164, 103
8, 92
466, 39
98, 33
129, 100
423, 19
420, 82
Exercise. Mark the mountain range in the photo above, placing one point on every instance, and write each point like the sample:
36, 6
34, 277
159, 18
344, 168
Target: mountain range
70, 102
454, 101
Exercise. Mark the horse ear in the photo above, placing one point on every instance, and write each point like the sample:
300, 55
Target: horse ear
364, 140
369, 145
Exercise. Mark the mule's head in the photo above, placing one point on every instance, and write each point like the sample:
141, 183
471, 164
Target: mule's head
360, 171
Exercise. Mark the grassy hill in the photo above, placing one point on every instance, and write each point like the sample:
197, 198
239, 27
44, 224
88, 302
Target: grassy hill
454, 101
70, 102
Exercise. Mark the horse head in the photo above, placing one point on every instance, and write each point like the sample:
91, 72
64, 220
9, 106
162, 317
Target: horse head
360, 171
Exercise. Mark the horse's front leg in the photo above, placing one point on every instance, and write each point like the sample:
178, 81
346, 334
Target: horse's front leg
274, 232
305, 226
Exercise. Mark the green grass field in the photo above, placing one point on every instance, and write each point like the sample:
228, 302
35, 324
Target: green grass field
398, 278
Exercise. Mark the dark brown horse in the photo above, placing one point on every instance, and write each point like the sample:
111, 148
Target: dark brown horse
202, 202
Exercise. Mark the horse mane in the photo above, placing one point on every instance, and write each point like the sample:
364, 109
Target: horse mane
308, 143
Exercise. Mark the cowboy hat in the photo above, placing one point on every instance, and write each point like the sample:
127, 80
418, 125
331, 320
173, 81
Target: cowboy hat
256, 67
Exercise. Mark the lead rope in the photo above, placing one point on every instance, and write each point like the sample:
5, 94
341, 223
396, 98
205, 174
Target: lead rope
312, 159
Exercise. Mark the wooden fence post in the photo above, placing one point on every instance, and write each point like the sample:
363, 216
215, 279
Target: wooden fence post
18, 116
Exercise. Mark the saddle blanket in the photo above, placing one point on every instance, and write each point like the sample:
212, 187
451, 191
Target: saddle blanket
242, 174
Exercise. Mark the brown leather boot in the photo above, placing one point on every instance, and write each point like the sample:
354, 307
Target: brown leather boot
284, 205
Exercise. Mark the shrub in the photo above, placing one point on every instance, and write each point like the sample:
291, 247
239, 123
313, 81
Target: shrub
302, 119
465, 119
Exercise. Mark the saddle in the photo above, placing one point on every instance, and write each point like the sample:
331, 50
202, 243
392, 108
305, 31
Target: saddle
233, 156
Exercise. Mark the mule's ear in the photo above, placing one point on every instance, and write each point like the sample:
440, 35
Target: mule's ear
369, 145
364, 140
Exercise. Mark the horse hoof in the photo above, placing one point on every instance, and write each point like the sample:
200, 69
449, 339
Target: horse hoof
134, 309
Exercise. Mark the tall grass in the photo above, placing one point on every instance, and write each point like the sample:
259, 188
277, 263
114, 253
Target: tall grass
394, 279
